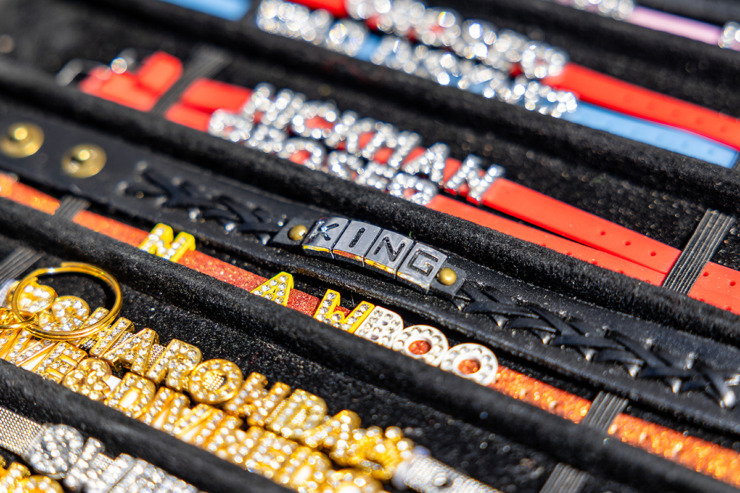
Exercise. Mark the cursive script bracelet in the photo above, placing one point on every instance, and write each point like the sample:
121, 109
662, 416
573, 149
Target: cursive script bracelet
60, 452
289, 438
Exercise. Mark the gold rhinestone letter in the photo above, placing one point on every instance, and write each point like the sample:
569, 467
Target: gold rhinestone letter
215, 381
174, 364
327, 312
276, 289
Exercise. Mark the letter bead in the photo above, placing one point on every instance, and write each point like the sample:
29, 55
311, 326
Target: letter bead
324, 235
421, 266
381, 326
472, 361
422, 342
388, 252
355, 242
215, 381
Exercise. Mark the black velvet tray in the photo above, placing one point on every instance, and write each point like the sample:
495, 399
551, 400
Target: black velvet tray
670, 217
651, 191
450, 416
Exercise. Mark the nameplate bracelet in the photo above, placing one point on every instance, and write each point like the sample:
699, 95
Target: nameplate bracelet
288, 436
480, 59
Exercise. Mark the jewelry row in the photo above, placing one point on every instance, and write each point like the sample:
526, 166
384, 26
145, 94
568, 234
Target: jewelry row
659, 440
374, 323
289, 438
377, 154
480, 62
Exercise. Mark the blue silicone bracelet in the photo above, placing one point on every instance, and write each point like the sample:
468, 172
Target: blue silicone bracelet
637, 129
232, 10
655, 134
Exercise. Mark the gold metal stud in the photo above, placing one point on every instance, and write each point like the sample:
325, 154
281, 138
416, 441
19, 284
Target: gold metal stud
84, 161
22, 140
297, 233
447, 276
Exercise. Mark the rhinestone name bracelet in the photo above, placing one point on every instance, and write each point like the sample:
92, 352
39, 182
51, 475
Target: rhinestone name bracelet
289, 436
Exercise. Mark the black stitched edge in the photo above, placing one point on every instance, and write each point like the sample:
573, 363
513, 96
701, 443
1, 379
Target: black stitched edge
680, 373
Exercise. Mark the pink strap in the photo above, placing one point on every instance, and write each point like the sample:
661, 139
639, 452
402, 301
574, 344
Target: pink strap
674, 24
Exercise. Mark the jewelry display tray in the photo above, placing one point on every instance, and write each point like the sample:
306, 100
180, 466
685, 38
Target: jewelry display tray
501, 441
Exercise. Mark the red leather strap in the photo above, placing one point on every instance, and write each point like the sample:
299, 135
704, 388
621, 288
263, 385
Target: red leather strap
556, 216
141, 89
527, 233
609, 92
188, 116
158, 72
719, 286
202, 98
122, 89
335, 7
210, 95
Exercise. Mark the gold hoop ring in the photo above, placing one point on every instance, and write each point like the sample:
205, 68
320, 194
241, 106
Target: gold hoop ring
69, 268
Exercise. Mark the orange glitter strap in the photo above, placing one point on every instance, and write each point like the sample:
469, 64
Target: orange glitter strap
700, 455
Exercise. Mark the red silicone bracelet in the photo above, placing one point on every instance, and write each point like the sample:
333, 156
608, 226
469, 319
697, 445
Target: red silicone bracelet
334, 7
527, 233
608, 92
556, 216
719, 286
141, 89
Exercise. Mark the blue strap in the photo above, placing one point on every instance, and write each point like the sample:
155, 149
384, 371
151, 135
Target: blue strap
232, 10
654, 134
372, 41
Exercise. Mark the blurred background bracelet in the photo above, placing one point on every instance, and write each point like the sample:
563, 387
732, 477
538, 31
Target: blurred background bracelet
472, 55
727, 36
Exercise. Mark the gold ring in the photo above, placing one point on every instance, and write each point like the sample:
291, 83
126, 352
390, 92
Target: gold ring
69, 268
